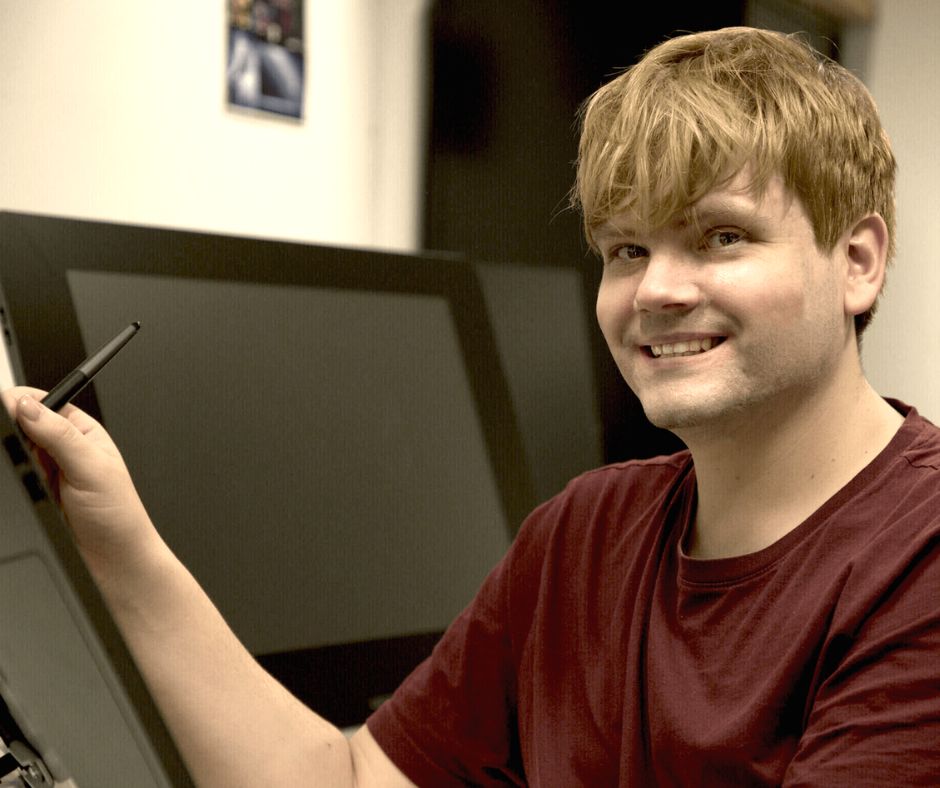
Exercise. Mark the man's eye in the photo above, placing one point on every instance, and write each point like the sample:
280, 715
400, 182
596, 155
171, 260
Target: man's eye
720, 238
629, 252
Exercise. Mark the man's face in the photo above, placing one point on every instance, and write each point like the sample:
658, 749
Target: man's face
729, 313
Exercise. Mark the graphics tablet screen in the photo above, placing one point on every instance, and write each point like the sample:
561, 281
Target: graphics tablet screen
314, 450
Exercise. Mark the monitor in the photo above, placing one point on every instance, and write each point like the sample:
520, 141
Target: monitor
339, 443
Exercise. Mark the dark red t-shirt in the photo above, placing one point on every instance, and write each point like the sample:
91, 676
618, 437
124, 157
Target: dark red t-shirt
597, 653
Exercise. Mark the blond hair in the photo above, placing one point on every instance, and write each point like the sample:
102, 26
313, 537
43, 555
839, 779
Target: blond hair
699, 108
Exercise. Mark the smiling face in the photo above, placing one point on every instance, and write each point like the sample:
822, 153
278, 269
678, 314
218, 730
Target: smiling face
664, 132
729, 312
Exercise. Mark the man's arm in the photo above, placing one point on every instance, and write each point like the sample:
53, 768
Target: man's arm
231, 721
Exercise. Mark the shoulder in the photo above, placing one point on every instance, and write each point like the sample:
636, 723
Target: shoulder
606, 506
902, 488
632, 482
615, 490
923, 442
873, 575
875, 548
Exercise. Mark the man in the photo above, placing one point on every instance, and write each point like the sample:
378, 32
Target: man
760, 610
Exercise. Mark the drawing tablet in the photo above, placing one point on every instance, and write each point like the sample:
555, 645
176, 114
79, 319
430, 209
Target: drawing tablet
339, 444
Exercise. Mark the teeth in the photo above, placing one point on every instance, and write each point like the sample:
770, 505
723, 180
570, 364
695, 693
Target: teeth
688, 348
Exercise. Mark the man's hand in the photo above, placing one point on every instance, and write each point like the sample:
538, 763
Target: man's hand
89, 480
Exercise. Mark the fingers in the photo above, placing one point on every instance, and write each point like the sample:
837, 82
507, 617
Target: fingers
79, 418
10, 397
60, 437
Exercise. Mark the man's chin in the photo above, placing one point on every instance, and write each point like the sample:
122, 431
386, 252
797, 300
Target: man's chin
680, 417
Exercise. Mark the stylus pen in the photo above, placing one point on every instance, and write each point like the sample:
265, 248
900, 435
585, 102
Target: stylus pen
81, 376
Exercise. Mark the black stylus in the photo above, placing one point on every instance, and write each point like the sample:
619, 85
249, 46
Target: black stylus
81, 376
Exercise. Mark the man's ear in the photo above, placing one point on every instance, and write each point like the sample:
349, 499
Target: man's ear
866, 254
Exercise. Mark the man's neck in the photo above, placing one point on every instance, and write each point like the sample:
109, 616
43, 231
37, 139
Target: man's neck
762, 479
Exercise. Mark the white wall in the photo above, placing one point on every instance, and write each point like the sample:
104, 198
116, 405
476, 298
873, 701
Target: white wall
902, 68
115, 109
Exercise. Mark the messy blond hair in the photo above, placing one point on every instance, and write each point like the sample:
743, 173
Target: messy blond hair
699, 108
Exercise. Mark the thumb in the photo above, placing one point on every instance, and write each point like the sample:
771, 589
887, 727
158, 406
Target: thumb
56, 436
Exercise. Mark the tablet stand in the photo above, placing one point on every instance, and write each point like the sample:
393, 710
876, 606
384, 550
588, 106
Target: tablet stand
20, 756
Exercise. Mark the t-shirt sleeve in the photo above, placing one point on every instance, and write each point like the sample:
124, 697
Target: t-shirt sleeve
876, 717
453, 720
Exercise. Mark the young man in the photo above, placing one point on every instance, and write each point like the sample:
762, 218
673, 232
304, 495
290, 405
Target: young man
759, 610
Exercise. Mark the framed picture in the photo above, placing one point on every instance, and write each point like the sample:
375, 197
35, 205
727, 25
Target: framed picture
265, 69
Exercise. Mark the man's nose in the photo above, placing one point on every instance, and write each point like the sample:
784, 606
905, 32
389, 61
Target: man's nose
669, 282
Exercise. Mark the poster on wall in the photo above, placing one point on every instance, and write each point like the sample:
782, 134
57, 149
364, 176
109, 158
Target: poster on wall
265, 70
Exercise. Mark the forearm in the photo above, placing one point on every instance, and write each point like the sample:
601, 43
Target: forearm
233, 723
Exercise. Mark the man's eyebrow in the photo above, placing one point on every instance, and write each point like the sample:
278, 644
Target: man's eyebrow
607, 230
724, 205
710, 208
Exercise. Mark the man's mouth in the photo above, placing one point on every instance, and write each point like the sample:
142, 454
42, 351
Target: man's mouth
690, 347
